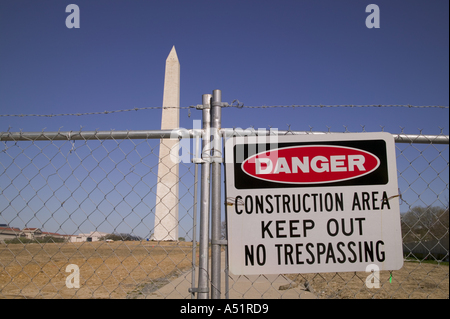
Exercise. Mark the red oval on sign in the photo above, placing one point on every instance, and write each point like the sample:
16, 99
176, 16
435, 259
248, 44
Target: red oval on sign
310, 164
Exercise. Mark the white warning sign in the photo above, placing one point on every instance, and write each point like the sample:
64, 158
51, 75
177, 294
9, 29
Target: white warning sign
312, 203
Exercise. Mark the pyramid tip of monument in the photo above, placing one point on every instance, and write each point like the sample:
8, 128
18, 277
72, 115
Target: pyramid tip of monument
173, 54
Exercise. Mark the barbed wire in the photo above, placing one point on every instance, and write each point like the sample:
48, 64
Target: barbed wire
235, 104
340, 105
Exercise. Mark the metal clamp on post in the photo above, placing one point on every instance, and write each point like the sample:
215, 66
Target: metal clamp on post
206, 153
216, 159
222, 242
217, 103
217, 156
197, 159
197, 290
203, 107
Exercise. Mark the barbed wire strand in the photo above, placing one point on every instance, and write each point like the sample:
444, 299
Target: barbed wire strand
338, 105
235, 104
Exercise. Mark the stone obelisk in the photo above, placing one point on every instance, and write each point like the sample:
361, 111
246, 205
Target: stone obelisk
166, 209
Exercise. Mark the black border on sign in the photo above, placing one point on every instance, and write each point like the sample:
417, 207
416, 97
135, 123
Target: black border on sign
377, 177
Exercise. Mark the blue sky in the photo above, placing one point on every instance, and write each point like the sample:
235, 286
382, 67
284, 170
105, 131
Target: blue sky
259, 52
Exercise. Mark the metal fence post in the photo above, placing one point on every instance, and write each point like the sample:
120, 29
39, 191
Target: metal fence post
203, 274
194, 222
216, 114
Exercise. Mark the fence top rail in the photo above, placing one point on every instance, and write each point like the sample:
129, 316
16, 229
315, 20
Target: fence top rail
399, 138
191, 133
96, 135
421, 139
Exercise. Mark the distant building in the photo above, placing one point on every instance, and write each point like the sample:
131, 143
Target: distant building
32, 233
8, 233
92, 236
55, 235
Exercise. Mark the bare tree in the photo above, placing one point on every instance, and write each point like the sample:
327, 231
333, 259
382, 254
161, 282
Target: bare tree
425, 223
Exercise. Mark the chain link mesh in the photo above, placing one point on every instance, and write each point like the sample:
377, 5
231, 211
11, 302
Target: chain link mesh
88, 203
91, 203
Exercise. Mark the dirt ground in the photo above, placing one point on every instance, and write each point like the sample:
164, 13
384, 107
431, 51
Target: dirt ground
107, 270
119, 269
414, 281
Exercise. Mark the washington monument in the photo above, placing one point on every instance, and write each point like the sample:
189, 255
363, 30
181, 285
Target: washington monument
166, 209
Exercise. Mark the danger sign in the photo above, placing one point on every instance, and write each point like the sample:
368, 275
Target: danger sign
312, 203
304, 165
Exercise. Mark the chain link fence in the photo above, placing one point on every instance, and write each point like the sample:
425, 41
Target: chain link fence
87, 202
77, 214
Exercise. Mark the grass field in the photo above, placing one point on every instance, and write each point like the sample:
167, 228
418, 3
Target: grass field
119, 269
